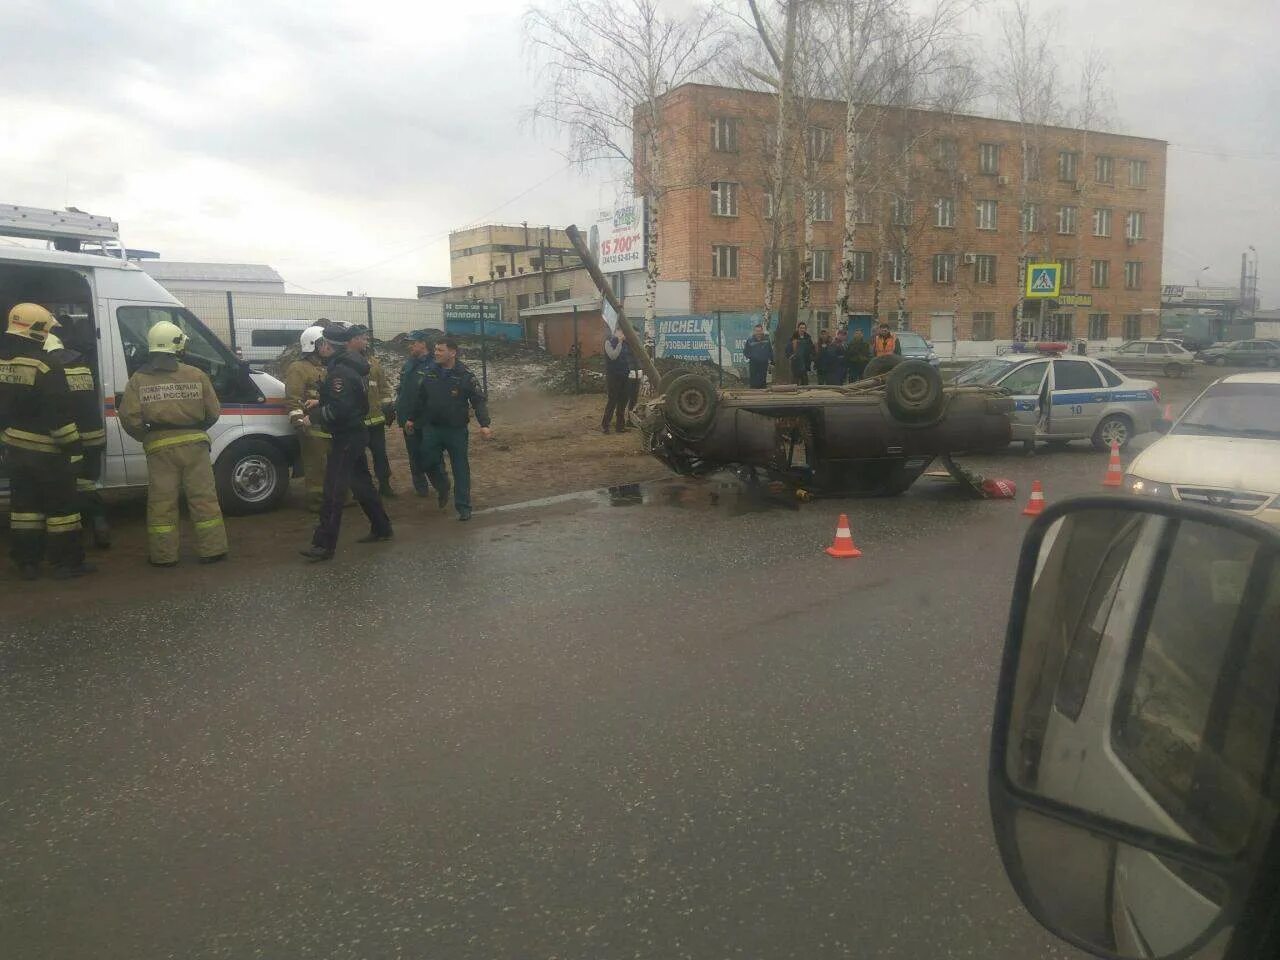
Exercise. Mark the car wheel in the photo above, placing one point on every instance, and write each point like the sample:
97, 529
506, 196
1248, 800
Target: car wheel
1116, 427
252, 477
1219, 361
1173, 371
913, 391
1273, 362
689, 401
881, 365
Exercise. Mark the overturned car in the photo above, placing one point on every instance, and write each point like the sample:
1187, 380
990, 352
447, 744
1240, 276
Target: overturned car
870, 438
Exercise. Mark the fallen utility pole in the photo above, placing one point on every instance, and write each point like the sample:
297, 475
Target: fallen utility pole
606, 291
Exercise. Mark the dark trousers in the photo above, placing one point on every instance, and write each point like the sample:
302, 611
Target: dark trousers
855, 370
416, 472
758, 375
436, 441
347, 471
633, 393
616, 392
44, 519
378, 450
91, 507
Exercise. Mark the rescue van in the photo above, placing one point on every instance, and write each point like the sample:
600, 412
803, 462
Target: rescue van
86, 281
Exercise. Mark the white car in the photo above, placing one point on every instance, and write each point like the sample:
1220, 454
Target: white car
1224, 451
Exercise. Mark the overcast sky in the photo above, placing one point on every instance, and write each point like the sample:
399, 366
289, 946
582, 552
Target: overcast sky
340, 142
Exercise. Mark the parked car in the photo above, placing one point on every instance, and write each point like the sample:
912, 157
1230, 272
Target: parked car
1151, 357
1243, 353
916, 347
1060, 399
1224, 451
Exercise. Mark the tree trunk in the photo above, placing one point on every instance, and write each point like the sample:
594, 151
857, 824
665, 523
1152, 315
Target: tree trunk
784, 210
651, 251
788, 315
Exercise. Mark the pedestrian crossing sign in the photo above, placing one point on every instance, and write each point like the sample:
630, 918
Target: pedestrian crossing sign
1044, 280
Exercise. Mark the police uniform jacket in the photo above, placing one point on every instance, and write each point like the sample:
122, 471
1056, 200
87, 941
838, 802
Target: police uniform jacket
36, 415
344, 397
444, 396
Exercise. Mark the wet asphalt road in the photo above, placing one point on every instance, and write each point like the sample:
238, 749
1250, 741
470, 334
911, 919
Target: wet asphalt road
571, 731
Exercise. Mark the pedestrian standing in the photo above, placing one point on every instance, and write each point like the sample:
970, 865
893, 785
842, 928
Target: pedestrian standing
800, 352
821, 357
448, 393
381, 408
857, 355
885, 343
759, 353
617, 371
302, 384
411, 374
167, 407
833, 363
38, 427
341, 410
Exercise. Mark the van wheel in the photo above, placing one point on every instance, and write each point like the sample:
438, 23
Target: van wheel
252, 477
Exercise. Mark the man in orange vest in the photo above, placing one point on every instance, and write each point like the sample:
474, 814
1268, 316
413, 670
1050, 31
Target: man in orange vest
885, 342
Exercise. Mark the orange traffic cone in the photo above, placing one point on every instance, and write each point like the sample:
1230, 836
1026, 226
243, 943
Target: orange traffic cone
842, 545
1115, 471
1035, 506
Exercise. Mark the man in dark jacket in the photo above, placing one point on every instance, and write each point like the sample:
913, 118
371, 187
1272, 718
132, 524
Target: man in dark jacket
834, 367
411, 376
440, 419
801, 353
759, 353
857, 356
341, 412
617, 371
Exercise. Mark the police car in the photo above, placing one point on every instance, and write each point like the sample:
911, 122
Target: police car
1058, 399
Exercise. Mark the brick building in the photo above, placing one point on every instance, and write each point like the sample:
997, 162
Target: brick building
497, 250
949, 202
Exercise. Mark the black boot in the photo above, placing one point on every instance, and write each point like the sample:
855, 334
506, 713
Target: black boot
385, 491
101, 532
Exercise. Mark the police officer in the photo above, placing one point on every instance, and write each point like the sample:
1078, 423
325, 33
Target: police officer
37, 427
381, 408
75, 353
440, 417
341, 410
302, 383
411, 374
168, 406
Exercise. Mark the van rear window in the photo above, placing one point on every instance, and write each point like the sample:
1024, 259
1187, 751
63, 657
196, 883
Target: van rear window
273, 338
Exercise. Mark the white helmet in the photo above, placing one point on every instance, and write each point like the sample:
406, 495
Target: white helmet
310, 337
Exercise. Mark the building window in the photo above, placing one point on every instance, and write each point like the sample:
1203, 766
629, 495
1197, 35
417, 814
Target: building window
724, 262
862, 209
501, 268
724, 135
1101, 274
984, 325
818, 143
986, 214
1104, 169
1031, 163
984, 268
900, 211
1098, 323
1030, 217
1132, 326
861, 266
946, 154
821, 269
820, 205
1059, 327
944, 268
989, 158
1137, 173
766, 204
899, 267
539, 298
1068, 165
1068, 273
522, 301
946, 212
823, 318
1133, 225
1067, 220
560, 295
1102, 222
724, 199
1133, 275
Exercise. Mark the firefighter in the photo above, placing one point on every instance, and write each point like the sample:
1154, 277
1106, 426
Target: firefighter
77, 362
381, 409
38, 429
168, 406
302, 383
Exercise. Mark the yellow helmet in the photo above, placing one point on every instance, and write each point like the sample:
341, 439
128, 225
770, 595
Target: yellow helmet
32, 321
166, 337
52, 344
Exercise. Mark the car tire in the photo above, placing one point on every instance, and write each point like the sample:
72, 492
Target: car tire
1273, 362
689, 401
1173, 371
1116, 426
913, 391
252, 476
1219, 361
881, 365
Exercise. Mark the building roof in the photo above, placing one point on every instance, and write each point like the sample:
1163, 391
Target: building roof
219, 272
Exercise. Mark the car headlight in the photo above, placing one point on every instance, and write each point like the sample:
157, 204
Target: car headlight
1147, 488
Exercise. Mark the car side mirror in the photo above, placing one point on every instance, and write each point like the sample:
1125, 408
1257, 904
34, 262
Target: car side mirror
1133, 772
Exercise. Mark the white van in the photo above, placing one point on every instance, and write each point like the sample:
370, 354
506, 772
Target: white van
253, 446
262, 341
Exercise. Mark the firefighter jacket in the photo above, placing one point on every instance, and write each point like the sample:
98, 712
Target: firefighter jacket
444, 395
344, 395
302, 383
379, 394
168, 404
86, 405
36, 417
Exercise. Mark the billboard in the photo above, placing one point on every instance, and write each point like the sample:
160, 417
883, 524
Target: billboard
472, 311
617, 238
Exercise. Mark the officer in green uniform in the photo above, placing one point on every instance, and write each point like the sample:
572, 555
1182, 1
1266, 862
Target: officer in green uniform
440, 417
411, 374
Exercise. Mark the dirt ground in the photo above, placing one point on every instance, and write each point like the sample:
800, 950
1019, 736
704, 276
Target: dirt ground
543, 445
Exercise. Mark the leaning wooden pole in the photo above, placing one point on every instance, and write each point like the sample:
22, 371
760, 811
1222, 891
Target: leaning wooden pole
606, 291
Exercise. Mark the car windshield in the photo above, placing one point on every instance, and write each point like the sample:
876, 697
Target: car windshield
984, 371
913, 342
1234, 410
